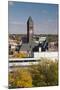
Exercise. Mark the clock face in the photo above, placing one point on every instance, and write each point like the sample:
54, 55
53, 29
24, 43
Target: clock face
31, 31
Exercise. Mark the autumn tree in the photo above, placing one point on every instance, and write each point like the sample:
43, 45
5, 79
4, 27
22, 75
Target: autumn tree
20, 78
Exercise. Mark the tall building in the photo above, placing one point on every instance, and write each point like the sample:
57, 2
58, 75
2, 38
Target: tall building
29, 44
29, 30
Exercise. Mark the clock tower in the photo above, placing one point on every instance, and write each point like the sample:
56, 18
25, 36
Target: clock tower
30, 30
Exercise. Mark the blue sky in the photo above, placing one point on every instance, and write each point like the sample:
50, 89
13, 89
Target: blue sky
45, 17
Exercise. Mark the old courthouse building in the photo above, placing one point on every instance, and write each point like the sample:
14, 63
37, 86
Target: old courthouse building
31, 46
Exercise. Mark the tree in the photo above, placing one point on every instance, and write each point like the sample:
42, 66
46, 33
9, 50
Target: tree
45, 73
20, 78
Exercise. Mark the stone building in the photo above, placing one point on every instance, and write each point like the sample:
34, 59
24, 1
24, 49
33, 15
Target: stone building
31, 46
30, 30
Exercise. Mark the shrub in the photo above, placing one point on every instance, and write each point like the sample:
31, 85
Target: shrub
20, 78
45, 73
20, 55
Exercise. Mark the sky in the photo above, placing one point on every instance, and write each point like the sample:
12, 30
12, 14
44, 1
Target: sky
44, 16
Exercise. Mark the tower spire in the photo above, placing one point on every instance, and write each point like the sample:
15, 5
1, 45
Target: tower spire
29, 29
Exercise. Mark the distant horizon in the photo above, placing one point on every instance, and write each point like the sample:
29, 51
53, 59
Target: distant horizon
34, 34
44, 16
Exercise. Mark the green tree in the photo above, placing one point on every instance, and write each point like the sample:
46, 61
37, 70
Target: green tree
45, 73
